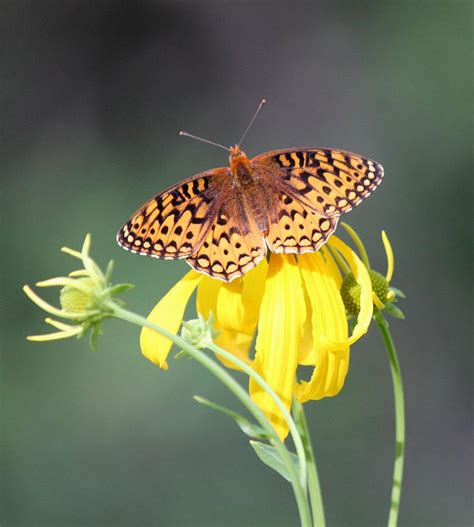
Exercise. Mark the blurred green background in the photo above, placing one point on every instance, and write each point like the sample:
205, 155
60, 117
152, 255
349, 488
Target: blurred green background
92, 96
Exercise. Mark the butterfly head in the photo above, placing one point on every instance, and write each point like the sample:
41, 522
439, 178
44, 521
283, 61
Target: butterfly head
237, 156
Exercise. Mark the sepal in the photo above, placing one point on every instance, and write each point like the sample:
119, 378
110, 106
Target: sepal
394, 311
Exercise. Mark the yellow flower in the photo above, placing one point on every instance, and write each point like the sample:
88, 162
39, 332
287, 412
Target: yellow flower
293, 305
384, 296
84, 298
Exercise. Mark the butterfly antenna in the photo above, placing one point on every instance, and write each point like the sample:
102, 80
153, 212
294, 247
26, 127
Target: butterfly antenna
185, 134
262, 102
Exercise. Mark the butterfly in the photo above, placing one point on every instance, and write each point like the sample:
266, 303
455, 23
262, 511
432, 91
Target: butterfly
223, 221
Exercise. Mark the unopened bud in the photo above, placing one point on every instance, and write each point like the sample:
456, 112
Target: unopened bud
350, 291
75, 300
198, 332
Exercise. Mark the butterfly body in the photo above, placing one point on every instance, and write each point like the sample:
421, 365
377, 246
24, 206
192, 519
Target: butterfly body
223, 221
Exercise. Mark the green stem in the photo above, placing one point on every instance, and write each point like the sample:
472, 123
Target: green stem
219, 372
314, 488
355, 238
399, 419
295, 435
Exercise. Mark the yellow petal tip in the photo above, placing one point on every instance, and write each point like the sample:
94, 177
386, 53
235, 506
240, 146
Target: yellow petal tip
379, 304
390, 257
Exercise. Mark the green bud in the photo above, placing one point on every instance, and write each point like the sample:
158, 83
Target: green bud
74, 300
350, 291
379, 285
198, 332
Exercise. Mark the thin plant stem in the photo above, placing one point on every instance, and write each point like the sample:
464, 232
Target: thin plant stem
314, 487
295, 434
358, 242
399, 419
219, 372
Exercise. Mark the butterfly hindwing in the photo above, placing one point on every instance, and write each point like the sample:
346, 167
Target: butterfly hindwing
173, 224
233, 244
297, 228
332, 182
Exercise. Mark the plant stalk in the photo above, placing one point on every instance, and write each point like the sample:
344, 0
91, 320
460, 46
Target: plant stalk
219, 372
399, 419
314, 487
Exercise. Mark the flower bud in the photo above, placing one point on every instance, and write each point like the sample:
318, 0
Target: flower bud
350, 291
198, 332
74, 300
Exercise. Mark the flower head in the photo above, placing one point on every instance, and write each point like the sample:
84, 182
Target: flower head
199, 332
294, 307
383, 295
83, 298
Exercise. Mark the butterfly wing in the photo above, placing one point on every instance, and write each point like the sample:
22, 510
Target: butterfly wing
233, 245
331, 182
174, 223
296, 228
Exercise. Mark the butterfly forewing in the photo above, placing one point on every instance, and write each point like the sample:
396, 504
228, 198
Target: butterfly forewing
174, 223
332, 182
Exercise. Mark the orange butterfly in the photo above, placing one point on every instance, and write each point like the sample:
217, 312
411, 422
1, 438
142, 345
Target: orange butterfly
223, 220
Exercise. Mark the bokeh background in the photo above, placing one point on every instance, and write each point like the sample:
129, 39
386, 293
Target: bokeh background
92, 96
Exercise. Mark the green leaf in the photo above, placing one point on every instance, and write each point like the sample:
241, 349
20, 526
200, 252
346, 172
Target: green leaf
109, 270
245, 425
269, 455
119, 288
399, 293
182, 354
93, 336
394, 311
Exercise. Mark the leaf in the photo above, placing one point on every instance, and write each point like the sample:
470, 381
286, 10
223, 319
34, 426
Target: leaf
93, 336
119, 288
109, 270
269, 455
182, 354
397, 292
247, 427
394, 311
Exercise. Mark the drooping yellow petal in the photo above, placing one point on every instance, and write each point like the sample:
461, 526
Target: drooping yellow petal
306, 349
235, 332
235, 306
321, 279
390, 258
236, 343
230, 308
366, 303
280, 329
332, 267
168, 314
206, 298
238, 303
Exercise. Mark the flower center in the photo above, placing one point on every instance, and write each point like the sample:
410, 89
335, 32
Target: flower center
74, 300
350, 291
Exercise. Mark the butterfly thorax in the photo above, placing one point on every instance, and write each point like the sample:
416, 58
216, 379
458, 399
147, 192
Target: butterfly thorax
251, 190
240, 167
